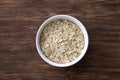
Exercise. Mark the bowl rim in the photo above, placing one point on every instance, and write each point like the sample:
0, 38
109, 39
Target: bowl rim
74, 20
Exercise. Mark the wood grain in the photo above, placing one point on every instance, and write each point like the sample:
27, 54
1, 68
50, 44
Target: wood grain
20, 20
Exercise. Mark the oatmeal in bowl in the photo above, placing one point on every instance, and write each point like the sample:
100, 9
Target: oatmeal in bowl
62, 40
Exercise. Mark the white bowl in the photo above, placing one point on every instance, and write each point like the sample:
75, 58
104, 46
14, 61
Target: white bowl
77, 22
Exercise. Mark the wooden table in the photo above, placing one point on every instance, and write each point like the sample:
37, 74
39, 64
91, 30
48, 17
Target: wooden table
20, 20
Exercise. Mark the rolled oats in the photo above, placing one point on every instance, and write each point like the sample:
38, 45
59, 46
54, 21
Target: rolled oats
62, 41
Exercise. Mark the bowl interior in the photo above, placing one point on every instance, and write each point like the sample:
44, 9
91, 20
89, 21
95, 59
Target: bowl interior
70, 18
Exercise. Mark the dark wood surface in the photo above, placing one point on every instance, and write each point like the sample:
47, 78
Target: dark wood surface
20, 20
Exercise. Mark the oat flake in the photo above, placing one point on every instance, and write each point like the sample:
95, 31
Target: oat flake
62, 41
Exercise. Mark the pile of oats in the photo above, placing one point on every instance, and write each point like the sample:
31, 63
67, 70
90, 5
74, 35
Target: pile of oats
62, 41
